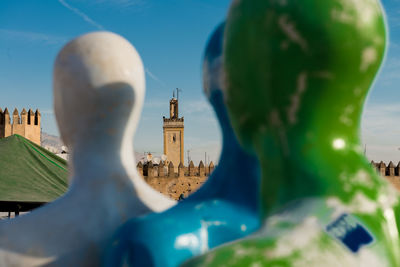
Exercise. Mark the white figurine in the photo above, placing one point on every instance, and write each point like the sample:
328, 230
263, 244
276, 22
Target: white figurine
99, 87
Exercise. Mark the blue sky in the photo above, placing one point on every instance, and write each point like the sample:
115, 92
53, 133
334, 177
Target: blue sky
170, 36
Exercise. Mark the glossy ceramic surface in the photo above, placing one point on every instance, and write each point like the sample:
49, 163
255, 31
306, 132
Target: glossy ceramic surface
99, 89
224, 209
298, 73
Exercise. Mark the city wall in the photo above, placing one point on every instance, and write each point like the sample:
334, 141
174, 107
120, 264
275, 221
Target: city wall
186, 180
26, 124
389, 172
174, 182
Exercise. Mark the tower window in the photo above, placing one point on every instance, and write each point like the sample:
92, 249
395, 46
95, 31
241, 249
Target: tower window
174, 138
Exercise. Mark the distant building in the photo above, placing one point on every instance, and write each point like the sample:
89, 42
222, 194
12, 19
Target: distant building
173, 135
26, 125
390, 172
168, 175
172, 181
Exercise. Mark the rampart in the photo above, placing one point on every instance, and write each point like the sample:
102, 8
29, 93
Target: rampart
389, 172
184, 180
26, 124
175, 182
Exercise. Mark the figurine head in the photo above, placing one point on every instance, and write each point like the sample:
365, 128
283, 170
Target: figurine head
297, 75
292, 67
99, 87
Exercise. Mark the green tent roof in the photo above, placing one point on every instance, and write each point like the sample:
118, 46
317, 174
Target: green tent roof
30, 173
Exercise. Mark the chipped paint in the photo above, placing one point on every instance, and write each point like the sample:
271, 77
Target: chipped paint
342, 16
345, 118
298, 237
362, 178
296, 98
352, 41
289, 28
368, 57
360, 204
366, 12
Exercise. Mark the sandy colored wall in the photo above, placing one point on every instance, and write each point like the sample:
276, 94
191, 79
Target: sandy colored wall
174, 187
390, 172
173, 149
176, 181
32, 132
23, 125
18, 129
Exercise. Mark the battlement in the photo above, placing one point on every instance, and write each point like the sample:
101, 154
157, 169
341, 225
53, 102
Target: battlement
26, 124
28, 118
390, 172
175, 182
386, 170
183, 180
173, 122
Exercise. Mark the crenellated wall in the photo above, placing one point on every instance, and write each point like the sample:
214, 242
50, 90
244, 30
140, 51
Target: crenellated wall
172, 181
390, 172
26, 124
184, 180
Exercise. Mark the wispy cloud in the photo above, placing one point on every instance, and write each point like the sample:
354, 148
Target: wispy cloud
121, 3
82, 15
154, 77
25, 36
130, 6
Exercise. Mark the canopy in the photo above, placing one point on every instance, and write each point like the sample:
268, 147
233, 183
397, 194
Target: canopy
29, 174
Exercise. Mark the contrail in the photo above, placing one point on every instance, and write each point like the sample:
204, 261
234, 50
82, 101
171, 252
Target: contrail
154, 77
82, 15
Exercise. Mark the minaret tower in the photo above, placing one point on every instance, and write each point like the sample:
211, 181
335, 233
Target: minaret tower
173, 134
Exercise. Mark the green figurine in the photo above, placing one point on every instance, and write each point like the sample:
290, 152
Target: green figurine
297, 76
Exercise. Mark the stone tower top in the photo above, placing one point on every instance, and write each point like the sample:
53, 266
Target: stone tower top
26, 124
173, 111
174, 133
173, 108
